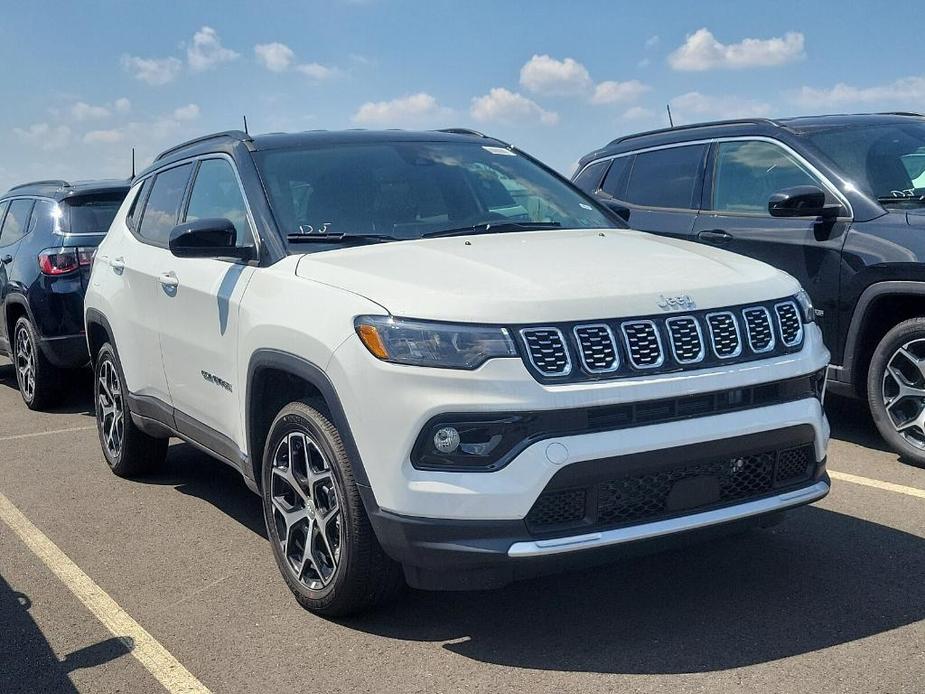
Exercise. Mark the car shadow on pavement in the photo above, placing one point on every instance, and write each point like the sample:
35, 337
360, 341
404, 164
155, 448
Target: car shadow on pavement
76, 395
818, 580
851, 421
27, 661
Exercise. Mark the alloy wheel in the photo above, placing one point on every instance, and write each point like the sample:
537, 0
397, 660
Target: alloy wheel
306, 510
25, 363
903, 392
111, 408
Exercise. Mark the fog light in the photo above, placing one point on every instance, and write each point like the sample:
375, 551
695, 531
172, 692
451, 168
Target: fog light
446, 440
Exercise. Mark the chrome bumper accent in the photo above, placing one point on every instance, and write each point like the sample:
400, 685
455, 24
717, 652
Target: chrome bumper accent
645, 531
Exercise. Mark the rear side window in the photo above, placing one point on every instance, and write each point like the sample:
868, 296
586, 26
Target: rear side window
588, 179
92, 214
3, 206
613, 183
666, 178
44, 216
16, 222
215, 194
160, 215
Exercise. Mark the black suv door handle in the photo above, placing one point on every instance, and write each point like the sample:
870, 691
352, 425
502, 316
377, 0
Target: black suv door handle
7, 259
715, 236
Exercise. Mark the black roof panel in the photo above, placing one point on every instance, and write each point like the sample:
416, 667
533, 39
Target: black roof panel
59, 190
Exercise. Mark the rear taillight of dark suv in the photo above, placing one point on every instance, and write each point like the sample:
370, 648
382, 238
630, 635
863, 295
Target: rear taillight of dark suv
61, 261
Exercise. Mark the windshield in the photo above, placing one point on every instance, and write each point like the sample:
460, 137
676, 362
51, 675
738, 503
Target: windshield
92, 214
405, 190
888, 159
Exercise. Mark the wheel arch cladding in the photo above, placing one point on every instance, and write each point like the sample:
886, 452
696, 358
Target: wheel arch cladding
276, 378
98, 333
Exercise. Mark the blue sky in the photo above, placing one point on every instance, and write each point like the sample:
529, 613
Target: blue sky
84, 82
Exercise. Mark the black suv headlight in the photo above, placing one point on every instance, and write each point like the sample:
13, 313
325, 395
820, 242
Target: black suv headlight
426, 343
808, 313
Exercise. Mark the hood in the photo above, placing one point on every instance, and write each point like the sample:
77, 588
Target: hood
915, 218
544, 276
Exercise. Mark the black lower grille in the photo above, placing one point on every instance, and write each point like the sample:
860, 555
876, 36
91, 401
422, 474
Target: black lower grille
668, 491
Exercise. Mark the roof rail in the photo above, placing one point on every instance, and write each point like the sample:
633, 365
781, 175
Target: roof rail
690, 126
238, 135
462, 131
901, 113
49, 182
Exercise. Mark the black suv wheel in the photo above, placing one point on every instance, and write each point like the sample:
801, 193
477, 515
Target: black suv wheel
322, 540
896, 389
128, 450
38, 379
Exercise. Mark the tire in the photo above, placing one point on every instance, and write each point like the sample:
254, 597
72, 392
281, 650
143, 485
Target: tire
896, 389
128, 450
310, 499
39, 380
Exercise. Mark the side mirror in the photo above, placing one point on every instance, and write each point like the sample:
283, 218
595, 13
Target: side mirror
207, 238
802, 201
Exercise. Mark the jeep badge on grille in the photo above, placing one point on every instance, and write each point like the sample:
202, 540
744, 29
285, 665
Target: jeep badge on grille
680, 302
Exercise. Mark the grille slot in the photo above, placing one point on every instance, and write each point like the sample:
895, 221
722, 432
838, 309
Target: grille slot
597, 348
686, 339
759, 329
789, 322
565, 507
547, 351
724, 334
794, 464
644, 345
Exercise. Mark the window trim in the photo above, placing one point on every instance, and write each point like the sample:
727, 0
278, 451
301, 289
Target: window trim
28, 231
738, 138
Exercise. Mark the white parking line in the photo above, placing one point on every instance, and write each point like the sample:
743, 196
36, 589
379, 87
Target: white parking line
13, 437
147, 650
868, 482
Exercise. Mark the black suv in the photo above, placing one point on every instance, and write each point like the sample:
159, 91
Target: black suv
836, 201
49, 231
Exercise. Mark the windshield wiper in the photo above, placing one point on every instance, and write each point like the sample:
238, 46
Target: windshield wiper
354, 239
492, 227
892, 198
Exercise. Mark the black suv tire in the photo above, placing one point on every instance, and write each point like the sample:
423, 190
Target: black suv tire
322, 539
39, 380
901, 389
128, 450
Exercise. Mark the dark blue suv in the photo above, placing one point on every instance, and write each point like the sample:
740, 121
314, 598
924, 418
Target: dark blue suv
49, 231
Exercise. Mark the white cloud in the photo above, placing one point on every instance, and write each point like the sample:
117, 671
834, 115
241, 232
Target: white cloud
317, 71
652, 41
694, 106
275, 57
509, 107
154, 71
901, 93
543, 74
188, 112
701, 51
638, 113
611, 92
104, 136
122, 105
84, 111
414, 109
45, 136
207, 50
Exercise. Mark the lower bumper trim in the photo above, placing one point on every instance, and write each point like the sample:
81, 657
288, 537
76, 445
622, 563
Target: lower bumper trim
670, 526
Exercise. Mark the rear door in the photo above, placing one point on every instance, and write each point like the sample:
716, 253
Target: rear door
660, 188
15, 226
743, 176
198, 304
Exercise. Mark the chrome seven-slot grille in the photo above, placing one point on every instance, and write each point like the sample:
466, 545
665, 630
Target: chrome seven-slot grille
695, 339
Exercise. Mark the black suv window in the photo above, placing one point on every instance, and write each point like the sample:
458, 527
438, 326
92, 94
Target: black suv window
216, 194
613, 183
160, 215
666, 177
17, 221
44, 216
92, 214
3, 206
590, 176
748, 173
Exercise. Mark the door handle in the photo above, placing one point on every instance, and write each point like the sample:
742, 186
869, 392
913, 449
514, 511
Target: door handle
168, 280
715, 236
7, 259
117, 264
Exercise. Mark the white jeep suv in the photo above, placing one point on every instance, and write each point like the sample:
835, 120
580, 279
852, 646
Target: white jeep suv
437, 361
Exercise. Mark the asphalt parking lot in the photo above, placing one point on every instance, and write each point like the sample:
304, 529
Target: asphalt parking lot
832, 600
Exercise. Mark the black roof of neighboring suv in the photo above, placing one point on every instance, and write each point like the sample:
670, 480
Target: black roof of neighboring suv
743, 126
59, 190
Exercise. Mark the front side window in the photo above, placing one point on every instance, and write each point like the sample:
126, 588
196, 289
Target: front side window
160, 213
888, 160
216, 194
17, 221
405, 190
666, 178
747, 174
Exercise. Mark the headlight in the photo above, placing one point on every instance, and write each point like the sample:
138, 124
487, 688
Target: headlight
806, 306
422, 343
